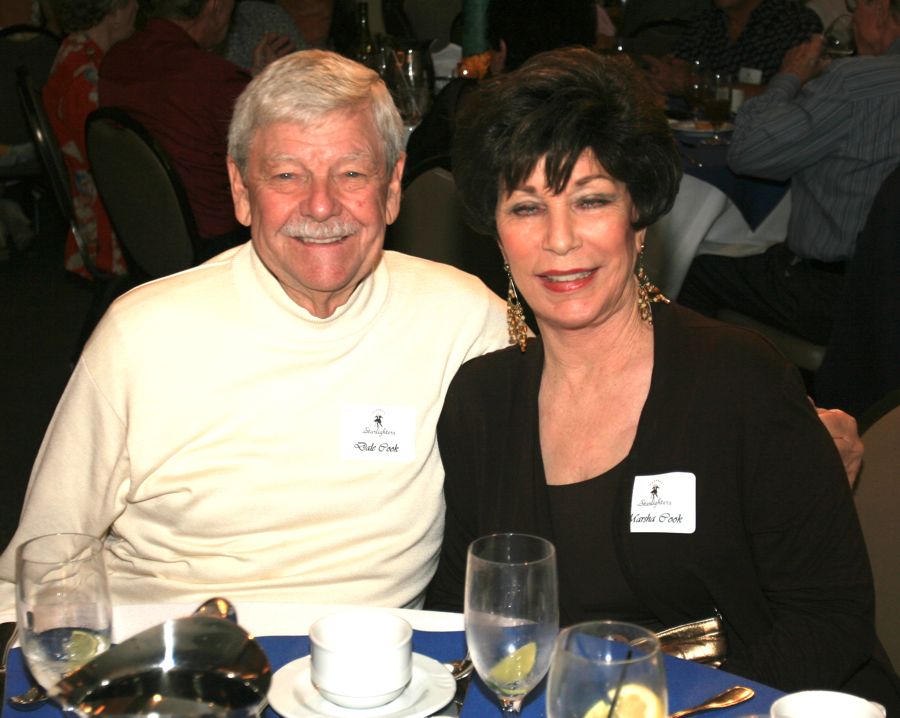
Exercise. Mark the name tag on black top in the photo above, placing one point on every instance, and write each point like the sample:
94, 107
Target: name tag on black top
664, 503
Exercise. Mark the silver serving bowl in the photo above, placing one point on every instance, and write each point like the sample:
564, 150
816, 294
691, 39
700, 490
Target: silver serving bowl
193, 667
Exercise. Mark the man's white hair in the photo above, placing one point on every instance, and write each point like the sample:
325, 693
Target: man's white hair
304, 87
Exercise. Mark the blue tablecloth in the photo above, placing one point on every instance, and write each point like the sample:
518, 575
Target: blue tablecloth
689, 683
755, 198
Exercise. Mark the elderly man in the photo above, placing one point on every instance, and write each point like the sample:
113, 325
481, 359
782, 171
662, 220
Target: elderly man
263, 426
832, 130
166, 78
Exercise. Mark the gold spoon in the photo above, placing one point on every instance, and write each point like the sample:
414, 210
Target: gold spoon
729, 697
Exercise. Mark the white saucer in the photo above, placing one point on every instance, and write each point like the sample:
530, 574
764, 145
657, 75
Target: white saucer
430, 689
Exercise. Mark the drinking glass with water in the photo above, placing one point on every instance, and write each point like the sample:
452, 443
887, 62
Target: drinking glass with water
62, 604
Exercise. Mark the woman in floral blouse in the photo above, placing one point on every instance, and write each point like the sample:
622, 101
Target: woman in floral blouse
69, 96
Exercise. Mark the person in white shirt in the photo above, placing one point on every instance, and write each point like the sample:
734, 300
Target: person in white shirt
263, 426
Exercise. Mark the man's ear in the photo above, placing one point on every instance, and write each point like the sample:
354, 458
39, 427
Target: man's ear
394, 190
240, 195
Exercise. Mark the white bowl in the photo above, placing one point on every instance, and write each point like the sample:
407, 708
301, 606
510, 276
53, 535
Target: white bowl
360, 658
825, 704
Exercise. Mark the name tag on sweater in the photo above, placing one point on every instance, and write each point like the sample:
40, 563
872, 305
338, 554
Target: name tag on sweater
378, 433
664, 503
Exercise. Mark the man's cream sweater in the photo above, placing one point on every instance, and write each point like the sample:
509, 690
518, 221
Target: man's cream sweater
232, 444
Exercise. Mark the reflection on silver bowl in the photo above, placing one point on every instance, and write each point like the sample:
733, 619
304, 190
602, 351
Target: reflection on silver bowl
197, 666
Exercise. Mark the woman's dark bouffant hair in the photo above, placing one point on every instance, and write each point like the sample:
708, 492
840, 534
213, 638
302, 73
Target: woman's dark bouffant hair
559, 104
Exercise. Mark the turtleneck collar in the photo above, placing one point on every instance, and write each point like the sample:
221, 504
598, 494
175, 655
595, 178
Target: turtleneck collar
265, 294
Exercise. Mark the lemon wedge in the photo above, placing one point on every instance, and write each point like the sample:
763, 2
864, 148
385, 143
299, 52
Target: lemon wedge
635, 701
511, 670
82, 646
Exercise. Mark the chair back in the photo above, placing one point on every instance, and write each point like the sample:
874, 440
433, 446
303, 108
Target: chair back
22, 46
143, 194
51, 157
796, 349
862, 361
874, 492
431, 226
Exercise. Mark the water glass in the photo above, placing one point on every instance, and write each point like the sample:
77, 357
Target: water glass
511, 613
62, 604
604, 669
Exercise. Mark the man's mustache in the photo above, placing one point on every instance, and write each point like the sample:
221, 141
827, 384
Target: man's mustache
319, 230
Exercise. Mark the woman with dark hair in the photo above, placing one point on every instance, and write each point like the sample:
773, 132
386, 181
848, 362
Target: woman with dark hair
675, 462
70, 95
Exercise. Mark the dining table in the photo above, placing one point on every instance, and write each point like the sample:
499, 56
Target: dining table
716, 211
282, 631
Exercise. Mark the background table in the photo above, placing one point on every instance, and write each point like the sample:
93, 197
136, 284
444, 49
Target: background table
715, 212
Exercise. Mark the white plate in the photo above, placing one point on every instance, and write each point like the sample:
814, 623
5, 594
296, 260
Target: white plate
430, 688
687, 127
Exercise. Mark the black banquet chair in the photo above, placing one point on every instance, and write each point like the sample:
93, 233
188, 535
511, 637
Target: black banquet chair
144, 197
50, 155
22, 46
106, 286
35, 49
862, 360
431, 225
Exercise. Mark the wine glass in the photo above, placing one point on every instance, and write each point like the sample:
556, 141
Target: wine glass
716, 106
605, 669
416, 67
839, 38
511, 613
405, 73
62, 604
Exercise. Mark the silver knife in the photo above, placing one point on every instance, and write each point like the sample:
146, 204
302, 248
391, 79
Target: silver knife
7, 639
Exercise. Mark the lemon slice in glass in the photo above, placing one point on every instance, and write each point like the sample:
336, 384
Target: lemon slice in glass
635, 701
81, 647
600, 709
511, 670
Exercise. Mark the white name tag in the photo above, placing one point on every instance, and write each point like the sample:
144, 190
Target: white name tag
378, 433
664, 503
750, 76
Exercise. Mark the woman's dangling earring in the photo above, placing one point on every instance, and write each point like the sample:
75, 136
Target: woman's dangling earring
515, 317
648, 292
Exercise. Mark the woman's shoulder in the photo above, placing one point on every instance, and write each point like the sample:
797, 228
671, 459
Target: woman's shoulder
716, 349
499, 373
494, 395
76, 51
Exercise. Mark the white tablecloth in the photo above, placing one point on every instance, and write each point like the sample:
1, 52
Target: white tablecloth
262, 619
705, 221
